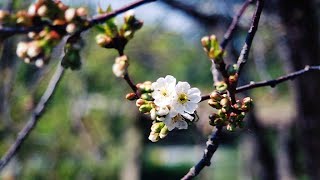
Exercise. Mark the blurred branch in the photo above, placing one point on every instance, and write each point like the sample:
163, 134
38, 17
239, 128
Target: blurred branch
212, 146
9, 31
210, 19
35, 116
252, 31
272, 83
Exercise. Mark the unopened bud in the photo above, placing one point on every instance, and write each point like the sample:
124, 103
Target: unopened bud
205, 41
39, 63
32, 10
146, 96
71, 28
215, 95
32, 35
140, 102
214, 104
42, 11
70, 14
131, 96
247, 104
22, 49
225, 102
232, 69
145, 108
156, 127
153, 114
81, 11
233, 78
154, 137
221, 86
129, 16
120, 66
34, 50
3, 15
27, 60
103, 40
164, 132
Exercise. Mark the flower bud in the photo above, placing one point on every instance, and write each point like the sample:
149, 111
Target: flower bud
233, 78
154, 137
71, 28
32, 35
34, 50
232, 69
153, 114
247, 104
221, 114
205, 41
164, 132
39, 63
146, 96
120, 66
3, 15
27, 60
129, 17
131, 96
162, 111
140, 102
82, 12
42, 11
22, 49
70, 14
32, 10
221, 86
103, 40
215, 95
145, 108
214, 104
225, 102
156, 127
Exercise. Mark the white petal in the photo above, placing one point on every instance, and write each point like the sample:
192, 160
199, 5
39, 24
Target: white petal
181, 124
194, 98
169, 123
170, 79
191, 107
194, 91
187, 116
182, 87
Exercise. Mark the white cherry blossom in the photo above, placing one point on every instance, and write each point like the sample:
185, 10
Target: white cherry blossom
164, 90
186, 99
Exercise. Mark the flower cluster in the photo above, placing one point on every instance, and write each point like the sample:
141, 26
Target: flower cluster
169, 104
228, 114
113, 36
54, 15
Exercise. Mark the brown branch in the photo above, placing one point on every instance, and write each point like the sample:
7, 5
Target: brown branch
35, 116
8, 31
251, 33
228, 35
274, 82
212, 145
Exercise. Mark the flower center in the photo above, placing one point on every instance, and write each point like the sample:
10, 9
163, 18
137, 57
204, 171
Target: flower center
182, 98
164, 92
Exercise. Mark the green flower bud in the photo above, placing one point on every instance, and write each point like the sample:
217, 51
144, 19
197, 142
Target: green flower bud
156, 127
140, 102
221, 86
214, 104
146, 96
225, 102
205, 41
247, 104
104, 41
145, 108
232, 69
164, 132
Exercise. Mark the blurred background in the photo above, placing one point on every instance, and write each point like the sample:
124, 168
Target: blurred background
90, 131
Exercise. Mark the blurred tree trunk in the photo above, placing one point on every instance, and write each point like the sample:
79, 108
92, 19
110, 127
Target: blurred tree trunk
302, 33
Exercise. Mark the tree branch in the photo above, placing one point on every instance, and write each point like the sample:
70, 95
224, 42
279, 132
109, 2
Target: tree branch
252, 31
212, 145
35, 116
9, 31
274, 82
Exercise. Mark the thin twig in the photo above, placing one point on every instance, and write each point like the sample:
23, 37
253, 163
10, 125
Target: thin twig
228, 35
129, 81
35, 116
212, 145
96, 20
274, 82
252, 31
